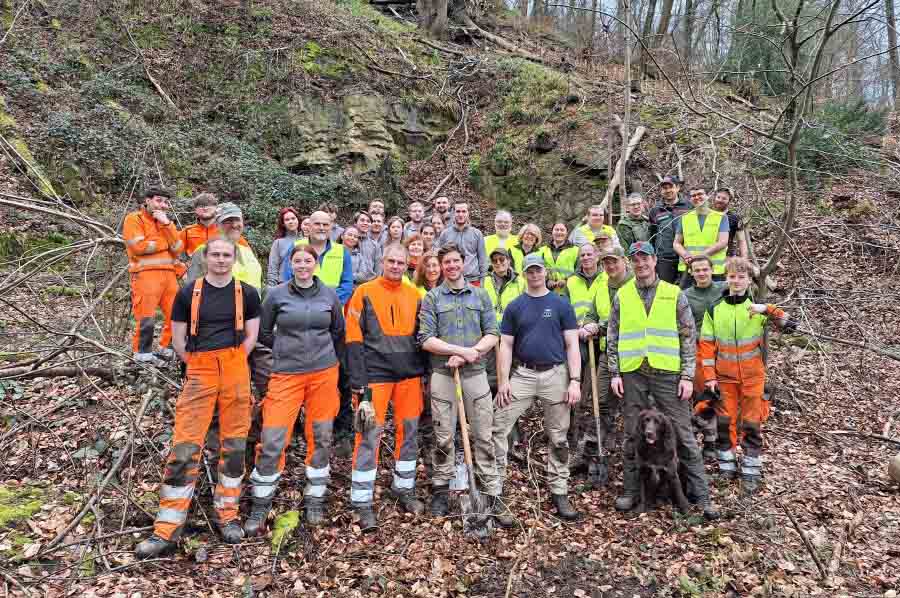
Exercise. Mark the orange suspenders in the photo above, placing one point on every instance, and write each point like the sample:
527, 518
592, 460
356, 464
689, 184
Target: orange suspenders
238, 308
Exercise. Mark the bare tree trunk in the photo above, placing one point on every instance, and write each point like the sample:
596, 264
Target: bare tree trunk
647, 34
433, 17
687, 31
523, 7
593, 24
664, 20
892, 44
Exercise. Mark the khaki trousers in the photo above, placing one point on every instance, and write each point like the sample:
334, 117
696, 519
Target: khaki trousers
480, 416
550, 387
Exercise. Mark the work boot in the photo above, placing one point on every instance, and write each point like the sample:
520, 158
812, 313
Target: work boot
750, 484
598, 472
367, 520
501, 513
564, 508
255, 525
409, 503
710, 512
440, 501
153, 547
232, 532
314, 513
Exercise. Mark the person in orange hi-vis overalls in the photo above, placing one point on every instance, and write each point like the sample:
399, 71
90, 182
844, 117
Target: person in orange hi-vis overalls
303, 323
731, 352
153, 247
215, 322
386, 367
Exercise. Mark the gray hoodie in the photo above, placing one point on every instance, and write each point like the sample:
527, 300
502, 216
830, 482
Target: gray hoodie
303, 327
281, 248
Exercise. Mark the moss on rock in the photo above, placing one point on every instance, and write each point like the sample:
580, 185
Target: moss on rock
19, 503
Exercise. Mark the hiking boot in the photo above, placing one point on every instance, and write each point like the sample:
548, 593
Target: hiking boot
367, 520
750, 484
440, 501
314, 512
710, 512
255, 525
410, 504
501, 513
709, 452
598, 473
232, 532
564, 508
153, 547
626, 502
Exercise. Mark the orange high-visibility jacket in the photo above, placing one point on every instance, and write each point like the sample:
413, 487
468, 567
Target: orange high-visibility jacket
150, 245
195, 236
731, 340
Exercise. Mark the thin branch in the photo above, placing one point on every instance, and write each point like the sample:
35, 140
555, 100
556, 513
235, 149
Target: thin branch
13, 24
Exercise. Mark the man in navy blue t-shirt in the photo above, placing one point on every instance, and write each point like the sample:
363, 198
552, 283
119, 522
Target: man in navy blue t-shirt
540, 333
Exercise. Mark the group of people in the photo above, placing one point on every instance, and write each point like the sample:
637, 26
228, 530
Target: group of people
404, 313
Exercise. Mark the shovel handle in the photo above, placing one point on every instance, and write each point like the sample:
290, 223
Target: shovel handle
463, 422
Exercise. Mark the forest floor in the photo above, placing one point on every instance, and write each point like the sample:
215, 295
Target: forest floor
61, 435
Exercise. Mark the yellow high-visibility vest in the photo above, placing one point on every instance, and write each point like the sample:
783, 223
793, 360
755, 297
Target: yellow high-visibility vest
653, 336
331, 268
581, 296
697, 239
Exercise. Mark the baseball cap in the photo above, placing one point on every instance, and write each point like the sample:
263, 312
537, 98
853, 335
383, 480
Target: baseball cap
534, 259
616, 252
603, 234
670, 180
499, 251
228, 210
641, 247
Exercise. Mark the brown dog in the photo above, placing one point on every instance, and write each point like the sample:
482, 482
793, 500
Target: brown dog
657, 461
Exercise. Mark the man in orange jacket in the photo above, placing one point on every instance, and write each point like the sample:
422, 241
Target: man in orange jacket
194, 236
153, 247
385, 366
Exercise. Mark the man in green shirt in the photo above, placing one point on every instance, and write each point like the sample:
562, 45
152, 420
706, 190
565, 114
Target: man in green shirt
634, 226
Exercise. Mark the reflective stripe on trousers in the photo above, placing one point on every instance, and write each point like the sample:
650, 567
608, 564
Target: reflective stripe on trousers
406, 396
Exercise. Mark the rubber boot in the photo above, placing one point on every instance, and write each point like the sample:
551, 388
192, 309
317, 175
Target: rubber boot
314, 513
367, 520
255, 525
409, 503
440, 501
501, 513
153, 547
232, 532
564, 508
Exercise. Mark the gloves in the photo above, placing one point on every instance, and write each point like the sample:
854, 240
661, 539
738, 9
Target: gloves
364, 418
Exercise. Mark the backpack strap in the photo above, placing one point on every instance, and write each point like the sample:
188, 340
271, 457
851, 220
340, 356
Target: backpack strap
195, 306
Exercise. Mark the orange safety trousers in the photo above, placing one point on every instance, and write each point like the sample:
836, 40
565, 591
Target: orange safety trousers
406, 395
317, 392
152, 289
743, 406
216, 380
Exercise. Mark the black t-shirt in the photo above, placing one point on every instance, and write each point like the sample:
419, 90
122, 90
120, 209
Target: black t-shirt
216, 327
538, 323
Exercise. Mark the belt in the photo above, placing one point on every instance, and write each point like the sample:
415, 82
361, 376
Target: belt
539, 367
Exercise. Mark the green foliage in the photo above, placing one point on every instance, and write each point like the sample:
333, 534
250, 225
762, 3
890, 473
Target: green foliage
18, 503
831, 141
474, 166
284, 525
528, 92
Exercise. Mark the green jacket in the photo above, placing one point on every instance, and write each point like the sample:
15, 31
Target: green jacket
631, 231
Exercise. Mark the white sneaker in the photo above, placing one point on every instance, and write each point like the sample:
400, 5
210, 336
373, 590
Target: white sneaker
148, 358
166, 353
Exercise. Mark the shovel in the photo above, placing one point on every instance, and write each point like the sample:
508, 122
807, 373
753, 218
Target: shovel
475, 513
